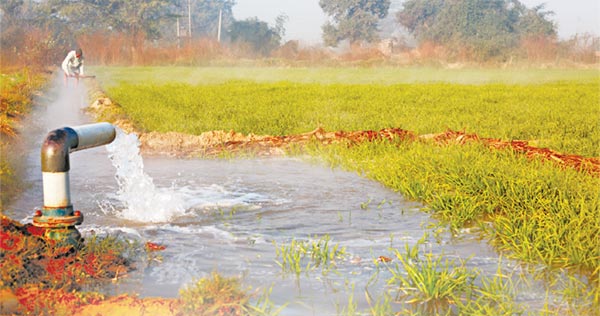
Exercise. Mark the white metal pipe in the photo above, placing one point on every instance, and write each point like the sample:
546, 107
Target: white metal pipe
57, 192
93, 135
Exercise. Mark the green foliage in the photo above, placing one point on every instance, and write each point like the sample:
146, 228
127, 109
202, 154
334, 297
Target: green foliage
535, 22
432, 285
257, 33
354, 20
483, 27
304, 256
433, 282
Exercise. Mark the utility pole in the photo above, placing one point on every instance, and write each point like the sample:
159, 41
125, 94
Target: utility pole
178, 34
190, 20
219, 29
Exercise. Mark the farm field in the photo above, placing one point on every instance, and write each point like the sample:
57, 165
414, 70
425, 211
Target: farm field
561, 115
528, 209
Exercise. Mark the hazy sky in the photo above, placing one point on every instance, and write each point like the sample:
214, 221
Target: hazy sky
306, 17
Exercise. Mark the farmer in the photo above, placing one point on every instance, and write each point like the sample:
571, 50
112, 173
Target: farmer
72, 66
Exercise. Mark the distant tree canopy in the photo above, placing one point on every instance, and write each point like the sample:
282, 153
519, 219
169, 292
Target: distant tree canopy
353, 20
486, 27
138, 18
29, 34
61, 23
258, 34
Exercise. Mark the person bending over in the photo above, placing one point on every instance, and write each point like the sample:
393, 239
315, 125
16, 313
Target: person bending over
72, 66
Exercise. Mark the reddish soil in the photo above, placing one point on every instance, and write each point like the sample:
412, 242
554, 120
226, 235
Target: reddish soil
215, 143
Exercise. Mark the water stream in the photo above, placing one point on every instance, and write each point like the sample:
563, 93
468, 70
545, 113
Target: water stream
230, 215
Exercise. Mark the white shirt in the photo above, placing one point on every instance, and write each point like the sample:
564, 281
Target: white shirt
72, 64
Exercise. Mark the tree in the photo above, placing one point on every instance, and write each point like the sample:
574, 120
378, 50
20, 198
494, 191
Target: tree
487, 28
354, 20
28, 35
138, 18
535, 22
258, 34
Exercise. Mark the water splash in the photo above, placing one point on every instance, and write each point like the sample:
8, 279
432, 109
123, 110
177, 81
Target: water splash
144, 202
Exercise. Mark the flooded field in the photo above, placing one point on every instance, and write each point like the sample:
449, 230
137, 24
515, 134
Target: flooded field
235, 217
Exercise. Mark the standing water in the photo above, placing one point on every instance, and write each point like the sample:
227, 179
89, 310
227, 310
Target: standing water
230, 216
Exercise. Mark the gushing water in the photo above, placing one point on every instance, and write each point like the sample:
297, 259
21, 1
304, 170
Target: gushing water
143, 201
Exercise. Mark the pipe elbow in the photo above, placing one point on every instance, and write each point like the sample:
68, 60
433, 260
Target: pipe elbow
60, 142
56, 148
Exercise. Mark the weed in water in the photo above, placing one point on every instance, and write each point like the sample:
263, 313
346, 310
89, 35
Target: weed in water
305, 256
433, 285
215, 295
351, 308
264, 306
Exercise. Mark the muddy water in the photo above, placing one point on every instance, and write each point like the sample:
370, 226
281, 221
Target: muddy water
230, 215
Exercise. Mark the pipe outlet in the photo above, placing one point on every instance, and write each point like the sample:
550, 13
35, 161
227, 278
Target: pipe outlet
58, 212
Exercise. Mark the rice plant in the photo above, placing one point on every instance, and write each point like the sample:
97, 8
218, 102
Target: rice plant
305, 256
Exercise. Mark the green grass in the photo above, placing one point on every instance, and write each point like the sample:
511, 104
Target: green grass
563, 116
428, 284
304, 256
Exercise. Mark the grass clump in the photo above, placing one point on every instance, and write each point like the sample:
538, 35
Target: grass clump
304, 256
433, 285
215, 295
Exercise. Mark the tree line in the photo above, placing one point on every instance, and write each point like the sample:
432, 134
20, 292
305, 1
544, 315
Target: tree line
483, 29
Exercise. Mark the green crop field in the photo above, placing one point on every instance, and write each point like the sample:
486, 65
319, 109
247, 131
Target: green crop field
561, 115
531, 209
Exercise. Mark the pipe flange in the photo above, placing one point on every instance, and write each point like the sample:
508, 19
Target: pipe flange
43, 221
